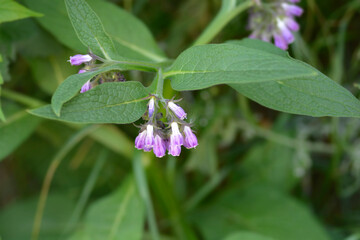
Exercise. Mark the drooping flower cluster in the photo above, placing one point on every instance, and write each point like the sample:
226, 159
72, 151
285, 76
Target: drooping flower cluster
275, 19
154, 135
89, 61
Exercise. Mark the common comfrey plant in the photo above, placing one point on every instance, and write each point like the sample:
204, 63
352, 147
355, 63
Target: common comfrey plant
256, 69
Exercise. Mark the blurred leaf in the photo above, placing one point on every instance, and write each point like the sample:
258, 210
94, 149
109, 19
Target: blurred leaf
118, 216
89, 29
11, 10
51, 71
245, 235
107, 103
260, 210
57, 22
275, 81
56, 214
131, 37
270, 164
16, 130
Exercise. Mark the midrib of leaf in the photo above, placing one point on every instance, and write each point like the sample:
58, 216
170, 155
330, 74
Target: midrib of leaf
121, 211
109, 106
140, 50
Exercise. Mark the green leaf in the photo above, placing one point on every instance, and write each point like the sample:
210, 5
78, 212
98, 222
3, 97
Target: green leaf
265, 76
11, 10
57, 22
118, 216
107, 103
16, 130
245, 235
89, 28
131, 37
56, 214
260, 210
72, 85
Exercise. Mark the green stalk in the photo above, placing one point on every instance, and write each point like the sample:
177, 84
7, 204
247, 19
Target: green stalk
89, 185
75, 139
143, 187
227, 12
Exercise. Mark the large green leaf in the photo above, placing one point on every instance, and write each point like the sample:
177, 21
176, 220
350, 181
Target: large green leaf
107, 103
131, 37
89, 29
269, 78
260, 210
118, 216
72, 85
11, 10
15, 130
57, 211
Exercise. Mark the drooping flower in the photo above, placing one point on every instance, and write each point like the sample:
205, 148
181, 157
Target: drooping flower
159, 148
176, 137
140, 140
151, 106
86, 87
190, 140
79, 59
179, 112
275, 20
174, 150
149, 139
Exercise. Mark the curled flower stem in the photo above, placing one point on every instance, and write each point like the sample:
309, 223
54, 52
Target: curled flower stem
228, 11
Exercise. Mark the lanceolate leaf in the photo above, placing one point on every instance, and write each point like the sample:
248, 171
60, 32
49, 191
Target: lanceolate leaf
264, 75
11, 10
107, 103
89, 28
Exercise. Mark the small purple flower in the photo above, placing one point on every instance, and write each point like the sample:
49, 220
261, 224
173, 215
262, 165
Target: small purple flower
291, 24
285, 32
176, 137
151, 106
174, 150
149, 139
79, 59
159, 146
86, 87
179, 112
82, 71
280, 41
190, 140
140, 140
291, 9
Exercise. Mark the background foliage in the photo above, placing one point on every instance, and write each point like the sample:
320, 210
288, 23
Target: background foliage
257, 174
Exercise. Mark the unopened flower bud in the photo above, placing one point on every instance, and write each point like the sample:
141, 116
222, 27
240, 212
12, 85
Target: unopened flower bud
151, 106
79, 59
86, 87
291, 9
149, 139
82, 71
179, 112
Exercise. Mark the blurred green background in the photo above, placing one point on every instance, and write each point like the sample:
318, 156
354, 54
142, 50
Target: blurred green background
256, 174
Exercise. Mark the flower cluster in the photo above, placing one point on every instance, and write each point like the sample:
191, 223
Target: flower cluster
89, 61
154, 135
275, 20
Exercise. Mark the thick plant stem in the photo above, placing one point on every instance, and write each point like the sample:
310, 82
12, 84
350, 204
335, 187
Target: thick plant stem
143, 187
50, 174
160, 84
227, 12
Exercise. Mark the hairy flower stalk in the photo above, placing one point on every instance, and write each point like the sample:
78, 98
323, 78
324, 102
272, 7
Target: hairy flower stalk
155, 135
276, 20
